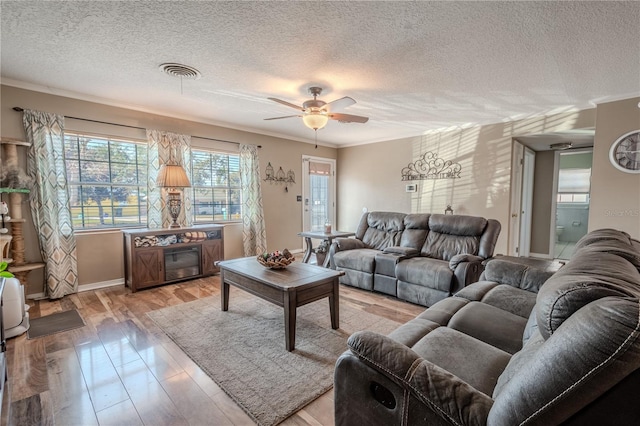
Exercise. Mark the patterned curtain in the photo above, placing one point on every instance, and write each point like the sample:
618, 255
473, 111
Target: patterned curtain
50, 203
167, 148
254, 236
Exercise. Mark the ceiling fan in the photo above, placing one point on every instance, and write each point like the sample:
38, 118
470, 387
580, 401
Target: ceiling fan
316, 113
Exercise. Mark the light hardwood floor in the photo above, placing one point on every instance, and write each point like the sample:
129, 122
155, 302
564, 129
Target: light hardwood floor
120, 369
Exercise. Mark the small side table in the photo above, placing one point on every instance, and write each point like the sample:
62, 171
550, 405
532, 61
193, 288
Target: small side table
319, 235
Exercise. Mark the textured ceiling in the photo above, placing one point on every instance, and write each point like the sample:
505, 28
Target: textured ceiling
411, 66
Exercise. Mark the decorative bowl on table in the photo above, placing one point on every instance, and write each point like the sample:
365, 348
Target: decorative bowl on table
276, 260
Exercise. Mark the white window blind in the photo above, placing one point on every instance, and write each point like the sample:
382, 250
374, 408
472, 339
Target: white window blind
574, 181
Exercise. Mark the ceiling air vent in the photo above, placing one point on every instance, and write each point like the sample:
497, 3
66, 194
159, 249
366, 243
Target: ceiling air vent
561, 146
179, 70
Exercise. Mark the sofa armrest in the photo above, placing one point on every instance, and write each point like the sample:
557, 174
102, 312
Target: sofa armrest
515, 274
406, 252
442, 393
340, 244
463, 257
464, 274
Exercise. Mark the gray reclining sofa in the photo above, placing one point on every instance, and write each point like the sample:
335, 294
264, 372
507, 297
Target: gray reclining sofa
420, 258
520, 346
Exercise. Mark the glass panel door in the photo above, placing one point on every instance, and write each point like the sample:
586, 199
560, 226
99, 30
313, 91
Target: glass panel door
318, 193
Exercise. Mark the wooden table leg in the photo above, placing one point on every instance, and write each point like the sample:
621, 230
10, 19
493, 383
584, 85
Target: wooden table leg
290, 302
307, 253
224, 293
334, 305
326, 259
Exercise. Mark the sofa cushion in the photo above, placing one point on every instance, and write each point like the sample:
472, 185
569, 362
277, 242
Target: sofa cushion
445, 246
475, 362
423, 271
403, 251
515, 274
470, 226
361, 259
600, 235
628, 252
411, 332
385, 229
416, 228
451, 235
511, 299
442, 311
476, 291
590, 276
492, 325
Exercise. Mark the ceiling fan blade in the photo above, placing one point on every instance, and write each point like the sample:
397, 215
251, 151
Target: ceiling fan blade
286, 116
348, 118
289, 104
339, 103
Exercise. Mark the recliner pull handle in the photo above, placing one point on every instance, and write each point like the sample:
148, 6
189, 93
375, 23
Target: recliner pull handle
382, 395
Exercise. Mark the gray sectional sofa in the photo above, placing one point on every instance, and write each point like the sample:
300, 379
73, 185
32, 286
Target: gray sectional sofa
521, 346
420, 258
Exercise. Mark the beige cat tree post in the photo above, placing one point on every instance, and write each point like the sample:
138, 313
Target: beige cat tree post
18, 265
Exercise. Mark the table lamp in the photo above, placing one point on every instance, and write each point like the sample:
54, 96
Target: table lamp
172, 176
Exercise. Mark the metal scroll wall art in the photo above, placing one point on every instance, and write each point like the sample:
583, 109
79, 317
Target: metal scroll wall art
429, 166
280, 176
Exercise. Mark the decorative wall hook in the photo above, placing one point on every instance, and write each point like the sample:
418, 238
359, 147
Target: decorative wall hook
279, 176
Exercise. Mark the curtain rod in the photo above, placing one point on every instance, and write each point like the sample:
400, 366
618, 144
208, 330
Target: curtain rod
19, 109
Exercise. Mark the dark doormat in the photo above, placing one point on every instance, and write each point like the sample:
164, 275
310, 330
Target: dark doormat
54, 323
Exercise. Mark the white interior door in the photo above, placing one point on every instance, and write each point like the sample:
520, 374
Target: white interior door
517, 161
528, 168
318, 192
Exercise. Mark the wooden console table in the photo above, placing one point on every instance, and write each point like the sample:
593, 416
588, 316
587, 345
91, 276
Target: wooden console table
159, 256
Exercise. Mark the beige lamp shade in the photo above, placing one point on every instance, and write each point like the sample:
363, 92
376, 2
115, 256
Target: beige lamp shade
315, 120
172, 176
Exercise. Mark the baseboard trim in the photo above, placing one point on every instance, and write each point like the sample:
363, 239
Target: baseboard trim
36, 296
101, 284
83, 287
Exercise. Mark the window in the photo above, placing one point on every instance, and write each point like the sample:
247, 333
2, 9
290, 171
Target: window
217, 195
318, 181
574, 185
107, 181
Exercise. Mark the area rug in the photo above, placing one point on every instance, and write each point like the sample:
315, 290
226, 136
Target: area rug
243, 349
54, 323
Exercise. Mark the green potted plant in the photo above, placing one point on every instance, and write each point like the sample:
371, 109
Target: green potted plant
321, 252
3, 270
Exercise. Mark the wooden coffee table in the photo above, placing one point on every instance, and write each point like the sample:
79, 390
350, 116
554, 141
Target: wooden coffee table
296, 285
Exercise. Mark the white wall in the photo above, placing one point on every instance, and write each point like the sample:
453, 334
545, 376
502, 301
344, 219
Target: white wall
371, 174
100, 257
615, 195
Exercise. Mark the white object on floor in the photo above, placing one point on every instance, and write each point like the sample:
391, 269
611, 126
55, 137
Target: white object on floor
14, 311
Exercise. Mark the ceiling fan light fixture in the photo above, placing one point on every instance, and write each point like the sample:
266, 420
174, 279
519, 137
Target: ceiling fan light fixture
315, 119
